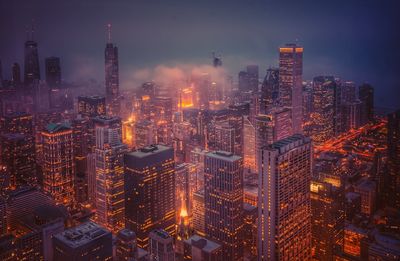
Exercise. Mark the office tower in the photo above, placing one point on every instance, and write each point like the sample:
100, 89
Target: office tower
126, 247
366, 96
244, 81
87, 241
58, 165
224, 137
198, 248
91, 106
17, 154
348, 91
392, 186
323, 115
161, 246
252, 72
249, 139
223, 197
353, 237
269, 90
150, 187
367, 190
31, 65
110, 205
128, 133
16, 74
53, 72
284, 206
328, 217
198, 219
290, 82
111, 75
18, 122
145, 133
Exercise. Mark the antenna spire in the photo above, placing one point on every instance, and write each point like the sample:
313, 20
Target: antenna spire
109, 33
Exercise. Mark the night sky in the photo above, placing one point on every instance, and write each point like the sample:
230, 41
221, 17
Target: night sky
353, 40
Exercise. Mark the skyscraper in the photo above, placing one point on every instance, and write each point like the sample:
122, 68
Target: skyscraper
284, 212
290, 82
16, 74
161, 246
32, 67
58, 165
366, 96
252, 72
110, 205
53, 72
392, 180
150, 191
223, 196
269, 89
111, 75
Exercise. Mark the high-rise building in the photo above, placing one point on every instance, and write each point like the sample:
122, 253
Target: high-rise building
17, 122
269, 90
252, 72
290, 82
111, 75
31, 65
161, 246
145, 133
201, 249
198, 220
53, 72
87, 241
17, 154
392, 186
91, 106
223, 196
284, 206
59, 164
150, 191
16, 74
110, 205
323, 115
126, 246
249, 139
366, 96
244, 81
224, 137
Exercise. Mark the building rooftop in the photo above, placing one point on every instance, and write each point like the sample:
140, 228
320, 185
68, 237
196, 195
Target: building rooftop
57, 127
223, 155
202, 243
149, 150
161, 233
82, 234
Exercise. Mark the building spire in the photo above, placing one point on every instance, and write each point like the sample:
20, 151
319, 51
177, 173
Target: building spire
109, 33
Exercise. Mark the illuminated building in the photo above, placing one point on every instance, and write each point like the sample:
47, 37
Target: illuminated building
366, 96
323, 115
91, 178
150, 191
224, 137
145, 133
290, 82
126, 247
351, 115
251, 195
223, 197
249, 158
328, 217
87, 241
17, 122
31, 65
392, 185
185, 98
284, 208
110, 205
269, 90
91, 106
58, 165
163, 109
367, 191
352, 240
250, 229
128, 133
198, 220
17, 154
198, 248
161, 246
111, 75
53, 72
348, 91
186, 183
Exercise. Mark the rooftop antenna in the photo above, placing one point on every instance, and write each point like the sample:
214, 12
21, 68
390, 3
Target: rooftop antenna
109, 33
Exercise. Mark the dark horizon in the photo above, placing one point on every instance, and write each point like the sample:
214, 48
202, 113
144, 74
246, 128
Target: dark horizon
347, 39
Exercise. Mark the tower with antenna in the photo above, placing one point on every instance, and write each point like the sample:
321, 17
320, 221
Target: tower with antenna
31, 61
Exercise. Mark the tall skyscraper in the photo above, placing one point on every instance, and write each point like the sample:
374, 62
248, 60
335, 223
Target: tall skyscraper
323, 115
290, 82
110, 205
284, 206
223, 196
53, 72
269, 90
16, 74
366, 96
58, 163
111, 75
88, 241
31, 65
150, 191
392, 187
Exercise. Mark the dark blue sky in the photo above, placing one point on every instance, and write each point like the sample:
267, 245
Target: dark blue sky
354, 40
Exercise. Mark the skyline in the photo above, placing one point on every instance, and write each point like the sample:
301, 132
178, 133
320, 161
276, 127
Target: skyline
241, 33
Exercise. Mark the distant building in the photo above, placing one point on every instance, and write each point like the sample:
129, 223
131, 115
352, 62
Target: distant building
269, 90
31, 65
367, 191
223, 196
366, 96
91, 106
112, 76
198, 248
161, 246
17, 122
53, 72
150, 187
392, 183
88, 241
